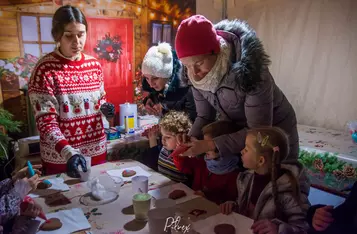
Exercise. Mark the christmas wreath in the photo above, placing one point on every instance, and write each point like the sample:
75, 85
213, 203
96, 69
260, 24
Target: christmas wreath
109, 48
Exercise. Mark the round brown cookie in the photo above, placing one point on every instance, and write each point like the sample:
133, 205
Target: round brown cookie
51, 224
128, 173
224, 229
43, 185
176, 194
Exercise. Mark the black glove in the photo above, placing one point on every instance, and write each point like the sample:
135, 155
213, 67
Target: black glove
73, 163
108, 110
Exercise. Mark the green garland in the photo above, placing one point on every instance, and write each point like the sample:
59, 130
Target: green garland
328, 163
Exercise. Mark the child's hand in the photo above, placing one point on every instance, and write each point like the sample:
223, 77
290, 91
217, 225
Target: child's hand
227, 207
32, 210
322, 218
199, 193
24, 172
264, 227
153, 132
33, 181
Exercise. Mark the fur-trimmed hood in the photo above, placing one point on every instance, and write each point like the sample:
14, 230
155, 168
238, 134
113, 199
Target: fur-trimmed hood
249, 60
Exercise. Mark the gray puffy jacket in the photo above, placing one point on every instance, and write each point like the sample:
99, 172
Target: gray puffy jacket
247, 94
293, 214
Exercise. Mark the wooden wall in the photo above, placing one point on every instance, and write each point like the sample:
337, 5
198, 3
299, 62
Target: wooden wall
9, 35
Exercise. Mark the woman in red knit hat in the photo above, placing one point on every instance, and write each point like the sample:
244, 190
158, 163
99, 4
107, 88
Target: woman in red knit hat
228, 68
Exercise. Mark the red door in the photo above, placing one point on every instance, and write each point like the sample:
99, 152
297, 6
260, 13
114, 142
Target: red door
117, 75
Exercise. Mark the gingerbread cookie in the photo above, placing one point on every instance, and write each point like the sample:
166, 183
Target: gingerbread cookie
128, 173
51, 224
45, 184
176, 194
224, 229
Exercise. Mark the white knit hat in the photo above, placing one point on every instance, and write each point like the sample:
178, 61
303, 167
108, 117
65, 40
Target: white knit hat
158, 61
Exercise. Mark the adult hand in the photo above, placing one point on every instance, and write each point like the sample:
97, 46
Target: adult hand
322, 218
264, 227
227, 207
33, 210
24, 172
183, 138
149, 107
158, 109
73, 163
198, 147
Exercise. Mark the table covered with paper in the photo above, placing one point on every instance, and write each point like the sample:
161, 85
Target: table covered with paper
79, 216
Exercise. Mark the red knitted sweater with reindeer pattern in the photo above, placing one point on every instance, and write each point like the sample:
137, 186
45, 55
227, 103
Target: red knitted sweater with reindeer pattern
66, 97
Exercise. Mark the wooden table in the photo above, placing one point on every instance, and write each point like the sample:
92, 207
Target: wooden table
116, 217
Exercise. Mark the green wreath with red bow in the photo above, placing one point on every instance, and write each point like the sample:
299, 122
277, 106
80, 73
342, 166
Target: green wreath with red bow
109, 48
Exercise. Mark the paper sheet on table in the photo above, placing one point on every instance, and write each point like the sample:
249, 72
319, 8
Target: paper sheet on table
57, 184
72, 221
165, 191
118, 173
240, 222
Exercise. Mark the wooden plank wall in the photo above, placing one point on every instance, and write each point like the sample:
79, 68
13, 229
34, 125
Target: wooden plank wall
9, 39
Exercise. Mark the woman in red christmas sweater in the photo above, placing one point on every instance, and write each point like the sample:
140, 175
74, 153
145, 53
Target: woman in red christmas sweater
66, 91
213, 177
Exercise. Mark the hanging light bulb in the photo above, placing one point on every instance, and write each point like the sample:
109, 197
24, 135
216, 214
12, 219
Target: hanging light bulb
152, 15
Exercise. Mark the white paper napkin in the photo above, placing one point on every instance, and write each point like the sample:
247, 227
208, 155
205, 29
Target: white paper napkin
118, 173
72, 220
57, 184
240, 222
165, 191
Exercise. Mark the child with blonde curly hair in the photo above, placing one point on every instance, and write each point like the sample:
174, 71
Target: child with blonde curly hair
158, 156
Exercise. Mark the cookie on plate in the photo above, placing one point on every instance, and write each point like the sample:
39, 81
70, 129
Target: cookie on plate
224, 229
45, 184
177, 194
51, 224
128, 173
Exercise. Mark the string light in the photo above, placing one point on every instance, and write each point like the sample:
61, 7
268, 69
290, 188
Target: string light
175, 22
139, 9
164, 19
152, 15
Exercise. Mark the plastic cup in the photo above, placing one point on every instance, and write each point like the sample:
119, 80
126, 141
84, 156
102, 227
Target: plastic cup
160, 220
141, 205
140, 184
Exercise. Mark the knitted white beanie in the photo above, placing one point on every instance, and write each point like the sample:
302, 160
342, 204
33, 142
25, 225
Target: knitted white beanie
158, 61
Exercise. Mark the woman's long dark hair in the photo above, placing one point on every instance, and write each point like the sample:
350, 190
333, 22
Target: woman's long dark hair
63, 16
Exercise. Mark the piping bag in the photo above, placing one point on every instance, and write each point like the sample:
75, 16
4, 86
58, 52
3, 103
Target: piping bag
25, 204
28, 199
